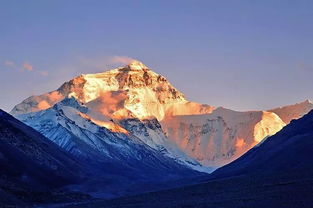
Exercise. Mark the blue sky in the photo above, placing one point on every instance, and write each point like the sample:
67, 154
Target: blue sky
242, 55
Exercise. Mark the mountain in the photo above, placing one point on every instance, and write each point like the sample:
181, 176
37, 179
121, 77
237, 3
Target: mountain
98, 162
130, 100
223, 135
217, 138
288, 151
70, 125
290, 112
130, 91
114, 153
276, 173
32, 167
135, 101
133, 132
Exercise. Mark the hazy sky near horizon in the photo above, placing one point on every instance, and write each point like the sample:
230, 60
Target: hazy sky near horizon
240, 54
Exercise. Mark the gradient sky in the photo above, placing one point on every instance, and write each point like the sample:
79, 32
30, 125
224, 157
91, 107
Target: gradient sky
242, 55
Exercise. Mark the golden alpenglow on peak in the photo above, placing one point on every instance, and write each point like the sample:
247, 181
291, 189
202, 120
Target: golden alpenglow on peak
136, 65
133, 89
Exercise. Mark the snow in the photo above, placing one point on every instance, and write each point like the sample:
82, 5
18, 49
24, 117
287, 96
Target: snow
131, 102
296, 111
218, 138
75, 131
138, 92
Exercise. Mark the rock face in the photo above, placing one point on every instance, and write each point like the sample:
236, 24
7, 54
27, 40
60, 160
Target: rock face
134, 100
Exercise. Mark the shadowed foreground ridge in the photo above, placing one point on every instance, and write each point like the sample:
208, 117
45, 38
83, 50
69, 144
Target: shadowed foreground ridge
277, 173
32, 167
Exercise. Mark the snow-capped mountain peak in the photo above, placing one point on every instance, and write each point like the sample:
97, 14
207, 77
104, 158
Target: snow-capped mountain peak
137, 65
125, 92
133, 100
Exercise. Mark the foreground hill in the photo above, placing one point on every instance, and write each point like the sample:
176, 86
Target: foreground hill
32, 167
276, 173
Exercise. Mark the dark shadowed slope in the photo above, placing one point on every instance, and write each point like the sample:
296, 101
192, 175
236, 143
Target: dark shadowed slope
31, 166
277, 173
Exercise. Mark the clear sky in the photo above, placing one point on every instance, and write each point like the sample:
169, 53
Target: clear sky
240, 54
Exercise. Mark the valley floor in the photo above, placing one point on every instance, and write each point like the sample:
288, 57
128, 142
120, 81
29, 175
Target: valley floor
239, 192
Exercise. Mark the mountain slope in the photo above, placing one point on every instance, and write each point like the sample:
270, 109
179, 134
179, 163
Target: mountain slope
112, 154
71, 119
289, 150
276, 173
217, 138
289, 112
31, 164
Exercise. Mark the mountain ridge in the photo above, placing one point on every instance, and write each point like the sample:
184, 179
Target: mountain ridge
146, 86
212, 136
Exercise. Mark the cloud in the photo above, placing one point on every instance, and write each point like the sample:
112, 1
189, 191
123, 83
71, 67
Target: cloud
82, 65
121, 60
48, 100
55, 97
105, 62
109, 102
10, 64
27, 66
43, 73
42, 105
